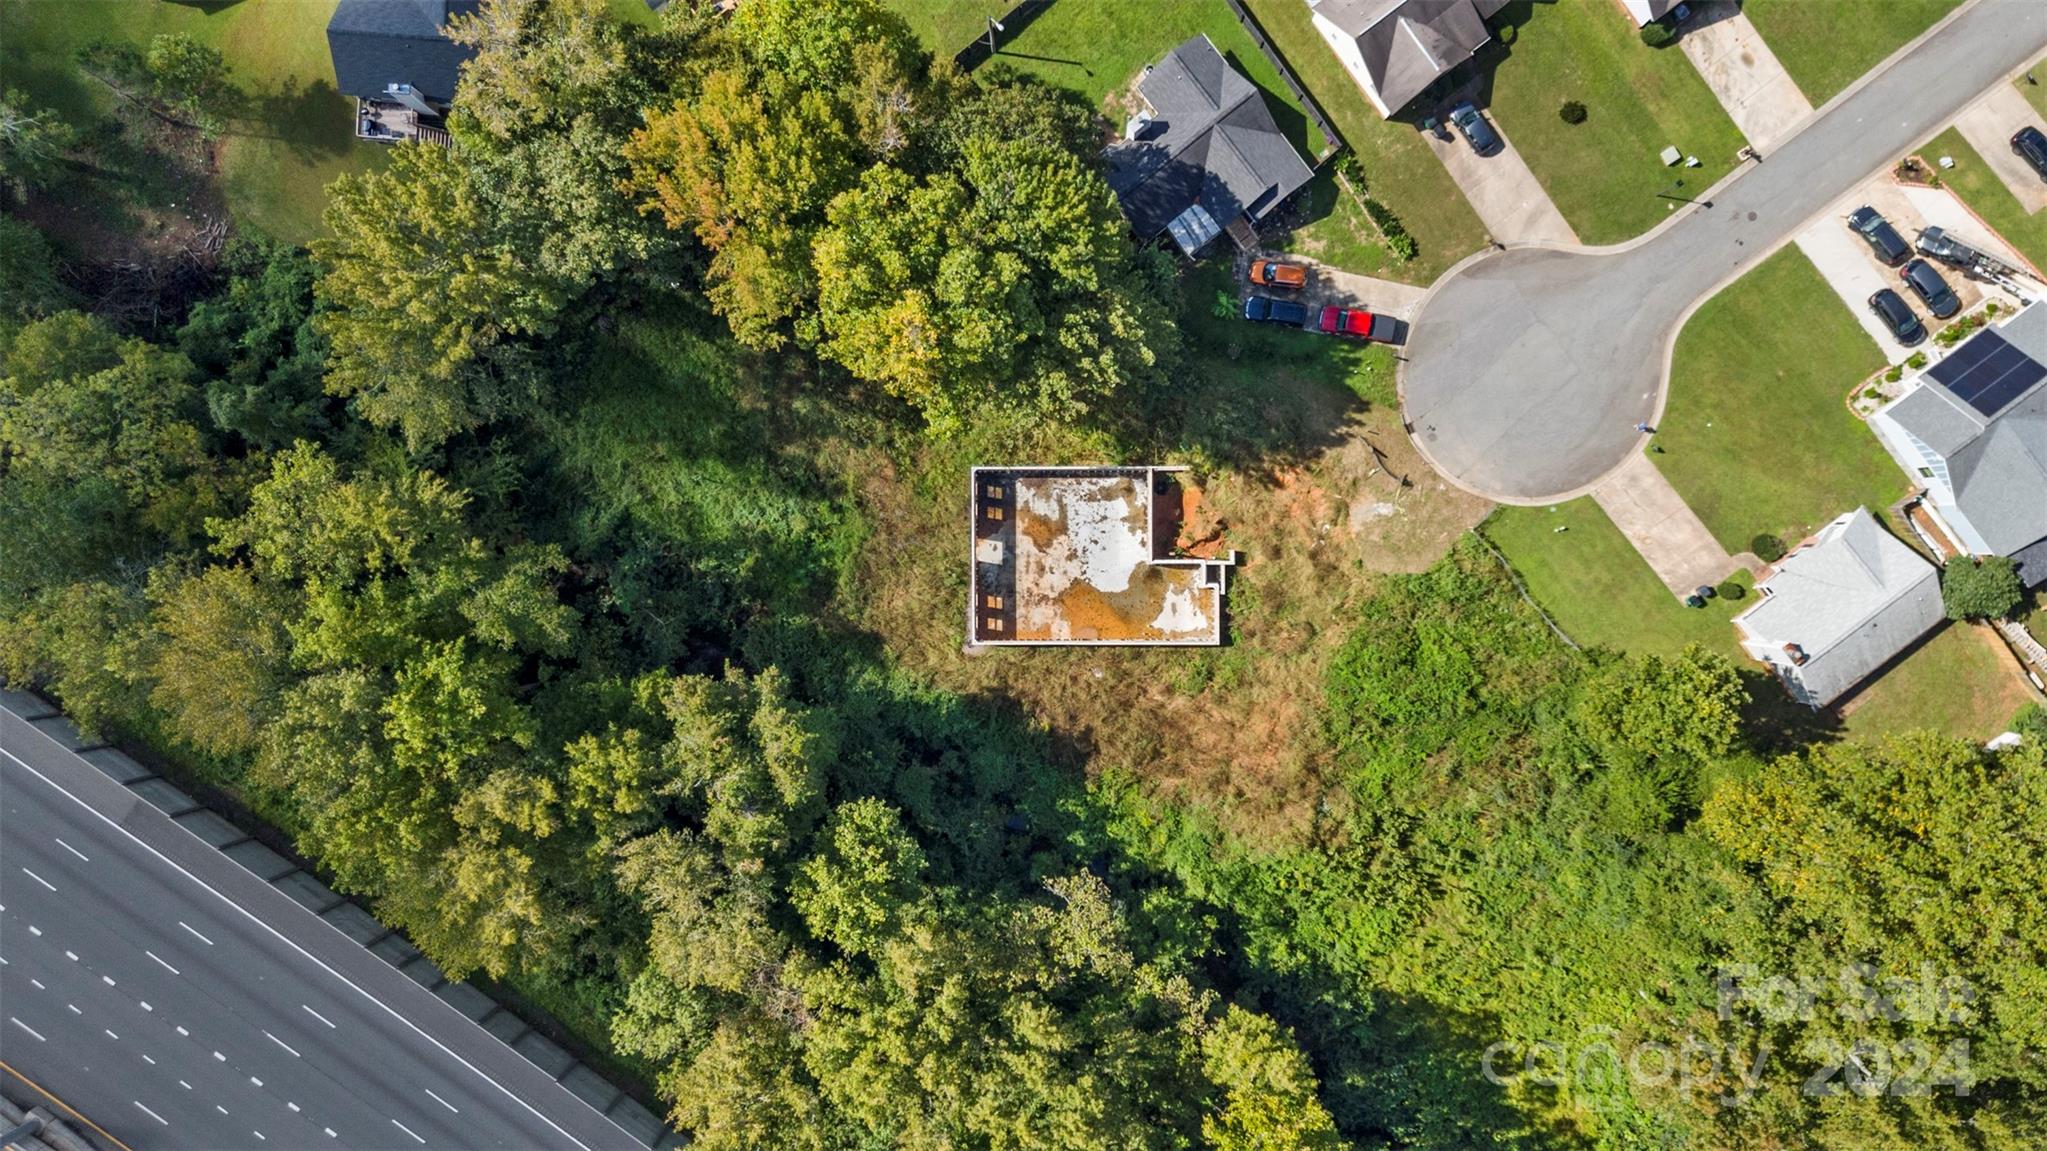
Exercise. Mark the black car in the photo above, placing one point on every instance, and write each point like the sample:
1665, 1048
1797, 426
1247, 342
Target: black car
1932, 290
2031, 145
1480, 134
1884, 239
1891, 308
1267, 310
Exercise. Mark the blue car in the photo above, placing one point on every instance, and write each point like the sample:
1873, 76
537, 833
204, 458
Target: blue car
1266, 310
1476, 131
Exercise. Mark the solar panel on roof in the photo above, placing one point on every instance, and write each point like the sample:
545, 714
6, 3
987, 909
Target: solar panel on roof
1987, 373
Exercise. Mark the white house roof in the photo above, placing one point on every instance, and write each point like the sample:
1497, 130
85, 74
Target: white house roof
1851, 600
1406, 44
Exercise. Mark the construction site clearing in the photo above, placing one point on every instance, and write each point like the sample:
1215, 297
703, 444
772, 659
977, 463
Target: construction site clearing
1093, 555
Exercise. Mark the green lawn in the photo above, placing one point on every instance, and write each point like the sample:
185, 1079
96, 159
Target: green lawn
1590, 579
1958, 682
945, 26
1403, 174
1980, 188
1826, 44
2036, 92
1757, 435
1335, 230
1098, 48
295, 135
1604, 174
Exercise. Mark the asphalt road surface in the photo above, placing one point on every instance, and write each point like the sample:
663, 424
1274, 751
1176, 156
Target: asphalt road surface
1528, 370
172, 1018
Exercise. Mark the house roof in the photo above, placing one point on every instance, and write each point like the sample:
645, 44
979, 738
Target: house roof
1851, 600
1212, 142
376, 43
1407, 44
1996, 461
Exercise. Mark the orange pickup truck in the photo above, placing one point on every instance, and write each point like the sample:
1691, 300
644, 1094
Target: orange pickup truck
1273, 274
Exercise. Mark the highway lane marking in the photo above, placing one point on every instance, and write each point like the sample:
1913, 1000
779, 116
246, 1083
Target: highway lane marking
317, 1015
71, 955
79, 854
290, 1104
259, 1135
74, 1009
111, 1035
38, 879
145, 1005
189, 927
27, 1028
283, 1044
219, 1108
151, 1114
218, 1057
310, 957
404, 1128
166, 966
107, 979
38, 983
185, 1085
256, 1081
148, 1060
441, 1101
68, 1108
35, 931
330, 1132
183, 1032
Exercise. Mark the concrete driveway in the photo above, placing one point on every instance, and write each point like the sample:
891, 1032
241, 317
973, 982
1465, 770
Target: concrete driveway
1988, 125
1508, 198
1528, 369
1759, 95
1647, 510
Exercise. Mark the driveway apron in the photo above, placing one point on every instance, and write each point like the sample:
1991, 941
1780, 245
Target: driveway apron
1759, 95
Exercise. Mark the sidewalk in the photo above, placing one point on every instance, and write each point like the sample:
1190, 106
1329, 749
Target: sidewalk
1663, 528
1988, 125
1731, 56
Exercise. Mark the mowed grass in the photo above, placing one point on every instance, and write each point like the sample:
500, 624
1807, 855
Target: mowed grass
1960, 682
946, 26
1605, 173
1826, 44
292, 138
1756, 433
1599, 589
1098, 47
1334, 229
1400, 171
1979, 187
2036, 91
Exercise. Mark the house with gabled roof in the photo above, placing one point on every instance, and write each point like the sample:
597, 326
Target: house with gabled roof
1395, 49
1971, 430
1840, 607
394, 57
1205, 155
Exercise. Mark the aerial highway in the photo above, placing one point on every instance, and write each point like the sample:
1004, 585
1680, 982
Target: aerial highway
177, 1009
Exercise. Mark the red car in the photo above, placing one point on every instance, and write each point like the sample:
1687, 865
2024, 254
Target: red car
1362, 325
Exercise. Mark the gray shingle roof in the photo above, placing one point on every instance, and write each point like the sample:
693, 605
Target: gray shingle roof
1213, 142
379, 42
1852, 600
1407, 44
1997, 465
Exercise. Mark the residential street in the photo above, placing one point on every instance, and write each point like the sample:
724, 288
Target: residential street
1528, 370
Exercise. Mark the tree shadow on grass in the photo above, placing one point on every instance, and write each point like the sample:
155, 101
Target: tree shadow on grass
310, 119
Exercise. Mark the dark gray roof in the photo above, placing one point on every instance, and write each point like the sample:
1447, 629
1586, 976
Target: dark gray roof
1407, 44
381, 42
1997, 465
1212, 142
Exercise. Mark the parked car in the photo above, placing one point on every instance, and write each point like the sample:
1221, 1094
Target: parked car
1266, 310
1359, 324
1891, 308
1476, 131
1273, 274
2031, 145
1889, 246
1926, 283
